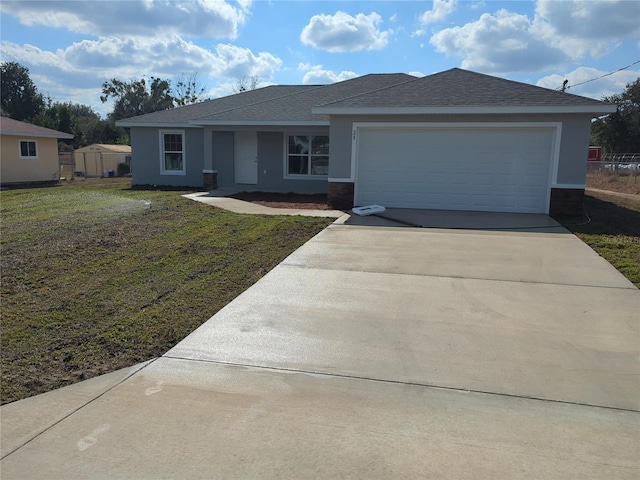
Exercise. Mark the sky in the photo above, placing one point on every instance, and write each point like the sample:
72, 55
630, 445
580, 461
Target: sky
72, 47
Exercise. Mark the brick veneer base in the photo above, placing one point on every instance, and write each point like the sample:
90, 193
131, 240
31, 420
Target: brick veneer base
210, 181
340, 195
566, 202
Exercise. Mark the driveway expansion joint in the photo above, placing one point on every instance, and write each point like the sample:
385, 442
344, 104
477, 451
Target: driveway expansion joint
457, 277
398, 382
77, 409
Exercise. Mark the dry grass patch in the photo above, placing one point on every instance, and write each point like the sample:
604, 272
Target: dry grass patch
615, 183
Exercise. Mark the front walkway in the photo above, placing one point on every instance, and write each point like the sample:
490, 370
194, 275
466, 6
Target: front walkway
221, 200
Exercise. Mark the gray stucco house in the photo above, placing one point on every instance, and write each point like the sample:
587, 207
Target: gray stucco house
455, 140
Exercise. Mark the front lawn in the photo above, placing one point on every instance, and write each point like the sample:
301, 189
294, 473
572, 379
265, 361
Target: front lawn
97, 276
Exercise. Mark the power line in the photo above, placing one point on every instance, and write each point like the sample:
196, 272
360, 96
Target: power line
567, 87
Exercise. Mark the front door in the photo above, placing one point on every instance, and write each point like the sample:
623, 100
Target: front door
246, 157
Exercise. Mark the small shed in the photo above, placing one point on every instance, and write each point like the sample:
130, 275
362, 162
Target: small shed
101, 160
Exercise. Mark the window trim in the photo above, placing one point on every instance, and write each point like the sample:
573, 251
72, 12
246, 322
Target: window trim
302, 176
163, 170
27, 157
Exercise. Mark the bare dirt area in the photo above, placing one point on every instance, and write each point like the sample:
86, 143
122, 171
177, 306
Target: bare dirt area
625, 200
285, 200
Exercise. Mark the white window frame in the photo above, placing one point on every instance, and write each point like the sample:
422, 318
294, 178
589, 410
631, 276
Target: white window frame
163, 170
302, 176
28, 157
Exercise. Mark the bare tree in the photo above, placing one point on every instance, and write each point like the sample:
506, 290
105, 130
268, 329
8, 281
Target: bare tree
245, 83
188, 89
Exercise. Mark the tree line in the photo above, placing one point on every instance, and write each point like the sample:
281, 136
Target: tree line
619, 132
21, 100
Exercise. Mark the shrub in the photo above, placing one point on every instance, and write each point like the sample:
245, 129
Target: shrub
123, 169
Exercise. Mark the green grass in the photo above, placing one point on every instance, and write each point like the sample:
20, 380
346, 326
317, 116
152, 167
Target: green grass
100, 277
613, 232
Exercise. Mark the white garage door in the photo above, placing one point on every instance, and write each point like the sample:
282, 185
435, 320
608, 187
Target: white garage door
495, 169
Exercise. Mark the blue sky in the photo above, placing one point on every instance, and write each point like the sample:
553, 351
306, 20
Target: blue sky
72, 47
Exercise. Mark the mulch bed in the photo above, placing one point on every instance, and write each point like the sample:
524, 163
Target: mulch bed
285, 200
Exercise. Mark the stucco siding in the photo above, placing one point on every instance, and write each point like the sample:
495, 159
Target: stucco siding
145, 158
43, 168
573, 146
340, 140
574, 150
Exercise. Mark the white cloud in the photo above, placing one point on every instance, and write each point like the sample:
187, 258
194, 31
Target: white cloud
344, 33
80, 69
440, 10
560, 33
163, 57
499, 43
393, 17
581, 26
316, 74
606, 86
210, 18
416, 74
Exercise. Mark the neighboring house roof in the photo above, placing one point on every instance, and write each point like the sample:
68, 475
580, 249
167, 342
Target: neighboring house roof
106, 146
463, 91
9, 126
276, 104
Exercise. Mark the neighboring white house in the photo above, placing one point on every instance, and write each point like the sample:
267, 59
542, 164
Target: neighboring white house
29, 153
101, 160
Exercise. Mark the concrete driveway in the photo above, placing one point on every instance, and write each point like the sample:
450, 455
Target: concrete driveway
374, 352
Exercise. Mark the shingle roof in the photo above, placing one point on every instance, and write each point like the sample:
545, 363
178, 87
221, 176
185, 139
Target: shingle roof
296, 107
459, 88
9, 126
455, 91
182, 115
276, 103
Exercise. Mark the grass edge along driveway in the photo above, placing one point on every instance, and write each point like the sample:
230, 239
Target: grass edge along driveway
612, 230
100, 277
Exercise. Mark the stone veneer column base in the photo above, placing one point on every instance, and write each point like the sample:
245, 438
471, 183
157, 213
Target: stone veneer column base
566, 202
209, 180
340, 195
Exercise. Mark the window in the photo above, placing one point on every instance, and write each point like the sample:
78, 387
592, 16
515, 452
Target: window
28, 149
172, 152
307, 156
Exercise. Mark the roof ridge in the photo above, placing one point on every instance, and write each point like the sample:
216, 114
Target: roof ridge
372, 91
531, 85
237, 107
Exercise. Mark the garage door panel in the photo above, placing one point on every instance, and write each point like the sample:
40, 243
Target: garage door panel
490, 169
